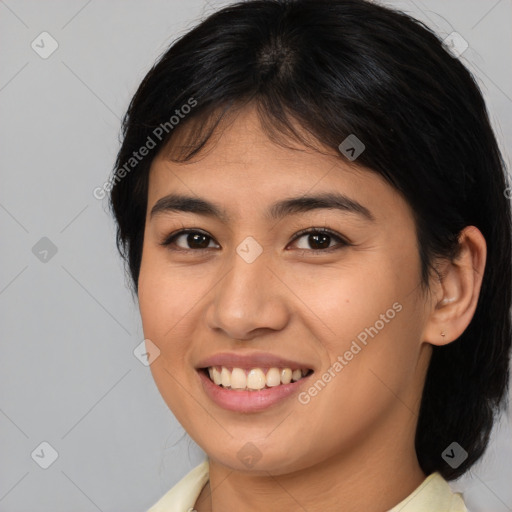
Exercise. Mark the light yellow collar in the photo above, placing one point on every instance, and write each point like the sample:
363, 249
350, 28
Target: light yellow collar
434, 494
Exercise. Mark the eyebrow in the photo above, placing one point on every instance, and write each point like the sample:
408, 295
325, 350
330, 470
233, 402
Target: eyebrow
278, 210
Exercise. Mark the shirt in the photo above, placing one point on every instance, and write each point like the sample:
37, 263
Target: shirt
433, 495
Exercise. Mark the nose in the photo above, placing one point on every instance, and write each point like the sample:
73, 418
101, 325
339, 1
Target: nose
249, 300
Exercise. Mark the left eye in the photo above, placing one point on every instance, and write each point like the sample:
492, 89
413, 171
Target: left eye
320, 239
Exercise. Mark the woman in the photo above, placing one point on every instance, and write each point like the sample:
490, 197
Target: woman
312, 207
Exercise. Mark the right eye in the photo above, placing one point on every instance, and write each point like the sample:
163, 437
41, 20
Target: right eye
193, 240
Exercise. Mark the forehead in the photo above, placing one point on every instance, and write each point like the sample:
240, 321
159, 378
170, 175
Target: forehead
242, 167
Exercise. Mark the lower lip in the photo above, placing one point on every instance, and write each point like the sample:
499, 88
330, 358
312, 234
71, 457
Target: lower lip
248, 401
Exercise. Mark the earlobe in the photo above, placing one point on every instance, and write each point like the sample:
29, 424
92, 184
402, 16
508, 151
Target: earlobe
457, 290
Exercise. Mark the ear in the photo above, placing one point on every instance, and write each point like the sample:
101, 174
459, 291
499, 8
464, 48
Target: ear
455, 294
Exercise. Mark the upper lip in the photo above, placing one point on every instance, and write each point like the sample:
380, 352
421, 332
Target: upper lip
248, 361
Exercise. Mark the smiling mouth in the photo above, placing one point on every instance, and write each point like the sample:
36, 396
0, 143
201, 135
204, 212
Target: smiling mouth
254, 379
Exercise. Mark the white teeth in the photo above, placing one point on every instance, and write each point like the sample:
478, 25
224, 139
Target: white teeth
273, 377
238, 379
225, 377
296, 375
216, 377
255, 378
286, 376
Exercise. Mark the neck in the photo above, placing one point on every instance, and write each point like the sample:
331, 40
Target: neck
374, 475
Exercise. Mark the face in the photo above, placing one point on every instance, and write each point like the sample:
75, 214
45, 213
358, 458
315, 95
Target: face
265, 290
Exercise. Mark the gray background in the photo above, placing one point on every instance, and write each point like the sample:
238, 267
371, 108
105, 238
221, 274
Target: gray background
68, 375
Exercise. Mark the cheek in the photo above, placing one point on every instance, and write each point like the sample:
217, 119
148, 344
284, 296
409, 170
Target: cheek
167, 298
166, 307
372, 318
341, 302
164, 302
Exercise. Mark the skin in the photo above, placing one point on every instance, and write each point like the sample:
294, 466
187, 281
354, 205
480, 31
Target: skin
351, 447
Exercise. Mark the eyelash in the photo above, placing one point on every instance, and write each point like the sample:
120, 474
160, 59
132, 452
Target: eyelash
342, 242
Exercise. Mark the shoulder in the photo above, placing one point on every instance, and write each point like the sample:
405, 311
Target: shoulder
184, 494
433, 494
